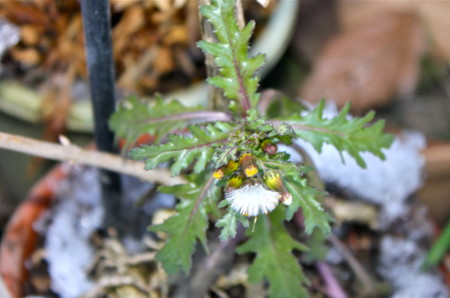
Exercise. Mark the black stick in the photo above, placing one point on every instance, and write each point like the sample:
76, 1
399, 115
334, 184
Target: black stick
99, 53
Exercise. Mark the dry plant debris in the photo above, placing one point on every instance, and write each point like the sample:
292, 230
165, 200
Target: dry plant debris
118, 274
154, 47
378, 53
152, 39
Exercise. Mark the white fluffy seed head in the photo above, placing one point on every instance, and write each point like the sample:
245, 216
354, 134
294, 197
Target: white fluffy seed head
252, 199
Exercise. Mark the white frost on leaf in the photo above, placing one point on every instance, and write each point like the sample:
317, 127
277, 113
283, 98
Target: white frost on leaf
251, 200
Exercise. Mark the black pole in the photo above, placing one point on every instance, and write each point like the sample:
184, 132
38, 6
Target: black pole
99, 54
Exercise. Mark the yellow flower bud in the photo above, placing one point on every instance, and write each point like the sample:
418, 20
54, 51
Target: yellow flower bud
269, 147
248, 165
229, 168
274, 181
234, 182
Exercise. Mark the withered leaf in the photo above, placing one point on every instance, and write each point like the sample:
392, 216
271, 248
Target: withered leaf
367, 65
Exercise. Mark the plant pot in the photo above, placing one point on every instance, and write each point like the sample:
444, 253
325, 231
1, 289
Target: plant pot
19, 240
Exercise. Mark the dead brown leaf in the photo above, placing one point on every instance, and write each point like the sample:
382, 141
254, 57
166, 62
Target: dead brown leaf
436, 19
177, 34
164, 61
30, 35
28, 57
369, 64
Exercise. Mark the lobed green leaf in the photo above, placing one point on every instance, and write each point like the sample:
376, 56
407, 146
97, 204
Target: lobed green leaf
351, 135
229, 222
274, 260
304, 197
237, 70
134, 118
197, 148
185, 228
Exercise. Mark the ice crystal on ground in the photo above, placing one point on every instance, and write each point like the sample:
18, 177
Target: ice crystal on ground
77, 215
400, 262
69, 253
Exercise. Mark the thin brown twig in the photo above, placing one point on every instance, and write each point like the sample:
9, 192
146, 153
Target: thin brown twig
75, 154
240, 14
360, 272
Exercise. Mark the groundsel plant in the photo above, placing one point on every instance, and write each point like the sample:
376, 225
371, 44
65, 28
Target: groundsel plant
231, 159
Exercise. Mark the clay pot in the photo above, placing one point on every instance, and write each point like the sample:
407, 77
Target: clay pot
20, 238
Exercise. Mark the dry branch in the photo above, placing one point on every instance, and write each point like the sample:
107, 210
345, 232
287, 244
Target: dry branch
75, 154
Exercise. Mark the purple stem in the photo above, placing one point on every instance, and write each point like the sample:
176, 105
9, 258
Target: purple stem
333, 288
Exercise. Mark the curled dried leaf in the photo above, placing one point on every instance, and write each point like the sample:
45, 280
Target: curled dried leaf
435, 18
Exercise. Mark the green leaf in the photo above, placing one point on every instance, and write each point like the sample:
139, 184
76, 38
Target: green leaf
351, 135
237, 70
185, 228
274, 260
439, 249
228, 223
318, 249
305, 196
135, 118
184, 150
283, 106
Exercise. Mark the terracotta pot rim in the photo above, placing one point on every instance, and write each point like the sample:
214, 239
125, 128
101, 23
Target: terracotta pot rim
19, 238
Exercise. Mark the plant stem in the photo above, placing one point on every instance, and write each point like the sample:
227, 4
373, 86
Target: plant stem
298, 126
334, 289
361, 273
74, 154
204, 115
216, 101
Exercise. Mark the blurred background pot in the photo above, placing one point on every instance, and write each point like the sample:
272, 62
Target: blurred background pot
28, 104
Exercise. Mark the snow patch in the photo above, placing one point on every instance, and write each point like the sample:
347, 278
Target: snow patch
76, 217
400, 262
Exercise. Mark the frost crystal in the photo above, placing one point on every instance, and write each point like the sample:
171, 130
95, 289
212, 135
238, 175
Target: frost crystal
400, 263
252, 199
